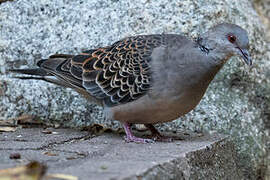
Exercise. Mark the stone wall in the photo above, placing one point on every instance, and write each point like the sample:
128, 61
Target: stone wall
237, 102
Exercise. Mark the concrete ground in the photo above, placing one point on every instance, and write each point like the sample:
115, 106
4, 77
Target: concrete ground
108, 156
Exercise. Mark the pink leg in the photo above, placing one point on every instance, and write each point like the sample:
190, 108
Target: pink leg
131, 138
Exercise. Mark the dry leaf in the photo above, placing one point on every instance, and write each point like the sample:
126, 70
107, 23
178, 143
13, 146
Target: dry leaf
97, 129
49, 131
15, 156
25, 118
50, 153
32, 171
9, 122
46, 131
60, 176
71, 158
8, 129
28, 121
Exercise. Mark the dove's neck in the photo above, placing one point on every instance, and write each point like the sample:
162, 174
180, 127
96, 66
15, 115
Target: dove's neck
212, 49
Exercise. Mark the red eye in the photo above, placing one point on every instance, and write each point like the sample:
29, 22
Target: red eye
232, 38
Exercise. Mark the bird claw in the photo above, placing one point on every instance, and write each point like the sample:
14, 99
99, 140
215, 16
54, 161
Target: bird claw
138, 140
163, 139
156, 136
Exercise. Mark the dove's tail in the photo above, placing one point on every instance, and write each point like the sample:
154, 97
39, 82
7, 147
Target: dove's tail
45, 71
56, 70
38, 74
34, 72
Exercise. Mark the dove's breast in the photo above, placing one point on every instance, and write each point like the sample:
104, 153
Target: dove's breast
151, 109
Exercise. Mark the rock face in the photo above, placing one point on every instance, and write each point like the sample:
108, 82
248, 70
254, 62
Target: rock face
263, 9
106, 156
236, 103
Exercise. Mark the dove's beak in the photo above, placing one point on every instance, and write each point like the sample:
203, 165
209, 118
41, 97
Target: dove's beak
245, 55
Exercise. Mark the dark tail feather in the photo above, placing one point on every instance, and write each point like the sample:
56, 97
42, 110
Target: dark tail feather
29, 77
35, 72
49, 79
50, 70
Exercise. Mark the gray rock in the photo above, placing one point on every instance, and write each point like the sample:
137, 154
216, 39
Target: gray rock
263, 10
237, 103
107, 156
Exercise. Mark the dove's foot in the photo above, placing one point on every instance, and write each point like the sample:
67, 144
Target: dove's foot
138, 140
156, 136
161, 138
131, 138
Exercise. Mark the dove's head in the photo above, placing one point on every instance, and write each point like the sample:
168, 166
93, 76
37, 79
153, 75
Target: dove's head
230, 39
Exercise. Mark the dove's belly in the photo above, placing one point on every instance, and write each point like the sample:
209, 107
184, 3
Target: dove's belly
149, 110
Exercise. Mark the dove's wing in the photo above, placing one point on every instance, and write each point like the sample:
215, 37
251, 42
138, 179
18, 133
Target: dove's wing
115, 74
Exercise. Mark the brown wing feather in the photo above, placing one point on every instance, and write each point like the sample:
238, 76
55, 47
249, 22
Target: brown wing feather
119, 73
115, 74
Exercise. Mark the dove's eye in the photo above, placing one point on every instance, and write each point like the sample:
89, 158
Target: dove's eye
231, 38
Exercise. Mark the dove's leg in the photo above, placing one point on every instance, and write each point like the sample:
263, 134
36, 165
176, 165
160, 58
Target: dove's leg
156, 136
131, 138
